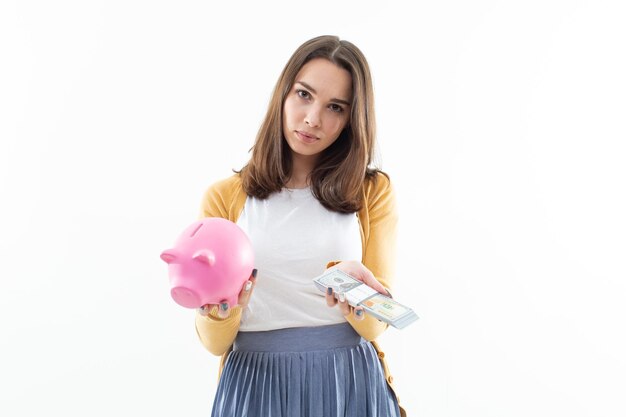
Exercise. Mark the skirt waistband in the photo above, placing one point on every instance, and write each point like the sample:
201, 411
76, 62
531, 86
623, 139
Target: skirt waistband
298, 339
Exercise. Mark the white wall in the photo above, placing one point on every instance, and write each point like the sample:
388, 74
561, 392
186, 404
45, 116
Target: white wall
500, 122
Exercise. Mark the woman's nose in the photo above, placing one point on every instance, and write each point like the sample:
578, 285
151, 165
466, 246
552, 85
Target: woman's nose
312, 117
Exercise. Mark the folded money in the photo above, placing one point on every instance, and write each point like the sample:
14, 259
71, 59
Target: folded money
358, 294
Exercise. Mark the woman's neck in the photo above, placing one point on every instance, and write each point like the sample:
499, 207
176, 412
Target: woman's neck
300, 170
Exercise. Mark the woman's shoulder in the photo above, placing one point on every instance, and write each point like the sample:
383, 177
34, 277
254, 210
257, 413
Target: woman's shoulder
225, 186
223, 198
377, 182
379, 194
225, 190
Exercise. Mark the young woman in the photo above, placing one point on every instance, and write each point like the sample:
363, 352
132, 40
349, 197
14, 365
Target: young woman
308, 199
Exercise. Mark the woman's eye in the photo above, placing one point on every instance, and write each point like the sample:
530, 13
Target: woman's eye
303, 93
336, 108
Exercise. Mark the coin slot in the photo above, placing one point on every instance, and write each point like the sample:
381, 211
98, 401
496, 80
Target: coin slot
196, 230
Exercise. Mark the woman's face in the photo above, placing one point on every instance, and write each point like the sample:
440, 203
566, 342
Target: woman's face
317, 108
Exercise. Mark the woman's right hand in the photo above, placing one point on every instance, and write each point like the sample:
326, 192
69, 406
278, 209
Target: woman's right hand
223, 309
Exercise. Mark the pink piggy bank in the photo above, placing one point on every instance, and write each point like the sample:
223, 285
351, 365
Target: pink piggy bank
210, 262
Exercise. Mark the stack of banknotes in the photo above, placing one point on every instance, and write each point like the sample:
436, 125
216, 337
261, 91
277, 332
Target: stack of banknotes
358, 294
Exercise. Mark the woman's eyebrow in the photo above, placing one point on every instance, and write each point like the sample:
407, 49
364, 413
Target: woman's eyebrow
337, 100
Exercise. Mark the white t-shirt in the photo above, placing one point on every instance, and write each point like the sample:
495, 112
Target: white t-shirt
294, 237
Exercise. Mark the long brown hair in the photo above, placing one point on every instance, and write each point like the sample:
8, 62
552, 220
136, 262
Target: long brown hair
341, 169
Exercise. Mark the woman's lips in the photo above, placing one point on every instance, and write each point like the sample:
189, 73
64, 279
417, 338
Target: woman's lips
304, 137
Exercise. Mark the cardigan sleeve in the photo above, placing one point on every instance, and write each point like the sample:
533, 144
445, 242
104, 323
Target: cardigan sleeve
217, 334
379, 255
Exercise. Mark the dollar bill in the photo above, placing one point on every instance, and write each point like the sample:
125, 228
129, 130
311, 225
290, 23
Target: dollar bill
358, 294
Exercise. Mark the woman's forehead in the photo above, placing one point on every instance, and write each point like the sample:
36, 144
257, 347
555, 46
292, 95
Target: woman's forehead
326, 79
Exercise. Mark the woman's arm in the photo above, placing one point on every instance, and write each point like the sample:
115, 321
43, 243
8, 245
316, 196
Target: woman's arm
217, 333
379, 220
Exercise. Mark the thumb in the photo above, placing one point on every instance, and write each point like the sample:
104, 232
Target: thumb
372, 282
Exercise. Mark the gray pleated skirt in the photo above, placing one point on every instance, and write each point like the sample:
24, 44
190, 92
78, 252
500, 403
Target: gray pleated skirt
326, 371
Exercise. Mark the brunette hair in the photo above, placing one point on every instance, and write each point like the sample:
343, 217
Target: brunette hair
342, 168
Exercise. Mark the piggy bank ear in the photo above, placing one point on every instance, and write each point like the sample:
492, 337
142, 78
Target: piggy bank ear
169, 256
205, 256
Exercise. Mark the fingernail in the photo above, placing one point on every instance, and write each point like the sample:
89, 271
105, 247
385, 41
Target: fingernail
342, 297
359, 312
224, 306
254, 272
330, 291
248, 286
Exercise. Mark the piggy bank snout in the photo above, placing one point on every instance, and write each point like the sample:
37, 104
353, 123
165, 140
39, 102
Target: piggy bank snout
186, 297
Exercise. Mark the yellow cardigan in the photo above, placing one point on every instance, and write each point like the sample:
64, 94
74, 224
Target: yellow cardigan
377, 220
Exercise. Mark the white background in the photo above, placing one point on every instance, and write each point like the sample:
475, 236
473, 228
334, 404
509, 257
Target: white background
501, 124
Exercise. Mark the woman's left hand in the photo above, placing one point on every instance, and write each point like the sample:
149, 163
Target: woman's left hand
358, 271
